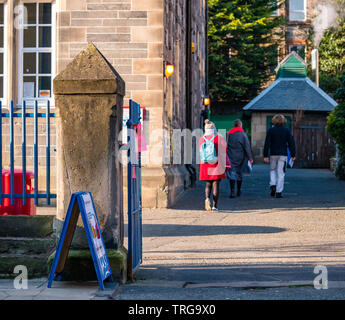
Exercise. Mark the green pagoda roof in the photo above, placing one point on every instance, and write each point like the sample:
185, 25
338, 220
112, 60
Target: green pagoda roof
292, 66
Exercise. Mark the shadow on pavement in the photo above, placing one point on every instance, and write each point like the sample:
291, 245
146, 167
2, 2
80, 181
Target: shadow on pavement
304, 188
176, 230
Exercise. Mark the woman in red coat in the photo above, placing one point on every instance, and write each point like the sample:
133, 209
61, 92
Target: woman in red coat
213, 173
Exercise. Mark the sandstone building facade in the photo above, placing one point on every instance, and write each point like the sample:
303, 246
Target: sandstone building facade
138, 38
299, 15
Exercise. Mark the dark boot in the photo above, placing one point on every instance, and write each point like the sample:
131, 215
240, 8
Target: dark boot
239, 186
232, 188
273, 191
279, 195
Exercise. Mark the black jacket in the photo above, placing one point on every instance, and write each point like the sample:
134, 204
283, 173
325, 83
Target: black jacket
238, 149
278, 139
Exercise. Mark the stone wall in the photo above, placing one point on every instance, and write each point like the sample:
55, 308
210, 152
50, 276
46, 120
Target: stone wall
89, 99
136, 37
175, 95
199, 58
128, 33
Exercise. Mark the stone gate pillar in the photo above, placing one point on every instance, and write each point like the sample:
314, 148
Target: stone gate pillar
89, 100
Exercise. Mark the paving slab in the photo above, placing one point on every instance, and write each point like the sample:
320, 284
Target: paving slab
66, 290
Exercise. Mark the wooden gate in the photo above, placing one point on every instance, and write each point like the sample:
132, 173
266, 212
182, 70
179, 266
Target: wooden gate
314, 146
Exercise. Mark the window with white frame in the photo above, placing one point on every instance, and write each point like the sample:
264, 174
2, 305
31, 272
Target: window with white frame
297, 10
2, 51
299, 49
36, 52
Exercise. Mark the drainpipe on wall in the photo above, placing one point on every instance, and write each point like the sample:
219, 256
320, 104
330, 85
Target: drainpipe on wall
206, 48
11, 33
206, 113
189, 107
189, 65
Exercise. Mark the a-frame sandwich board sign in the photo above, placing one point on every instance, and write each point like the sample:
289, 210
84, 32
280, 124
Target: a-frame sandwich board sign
82, 203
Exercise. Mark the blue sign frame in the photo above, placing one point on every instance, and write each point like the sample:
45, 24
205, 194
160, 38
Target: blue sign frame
82, 203
134, 112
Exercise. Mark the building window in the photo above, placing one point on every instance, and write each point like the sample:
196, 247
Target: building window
36, 58
275, 13
297, 10
2, 51
299, 49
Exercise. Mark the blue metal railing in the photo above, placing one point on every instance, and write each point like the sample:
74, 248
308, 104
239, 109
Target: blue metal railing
24, 115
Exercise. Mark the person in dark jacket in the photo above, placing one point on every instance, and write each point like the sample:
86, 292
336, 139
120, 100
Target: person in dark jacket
278, 140
239, 153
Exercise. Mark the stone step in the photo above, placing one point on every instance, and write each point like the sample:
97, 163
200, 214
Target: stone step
27, 246
36, 265
26, 226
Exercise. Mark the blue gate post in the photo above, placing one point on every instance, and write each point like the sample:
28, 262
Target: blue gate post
1, 152
48, 152
134, 193
129, 205
36, 151
24, 150
140, 227
141, 206
12, 154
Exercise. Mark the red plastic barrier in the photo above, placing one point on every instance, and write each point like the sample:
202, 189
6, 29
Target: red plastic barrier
18, 208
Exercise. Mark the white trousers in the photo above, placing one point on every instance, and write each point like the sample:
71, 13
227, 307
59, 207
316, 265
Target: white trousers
277, 172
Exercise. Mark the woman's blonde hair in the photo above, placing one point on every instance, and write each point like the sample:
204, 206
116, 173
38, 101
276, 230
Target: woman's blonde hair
279, 120
209, 124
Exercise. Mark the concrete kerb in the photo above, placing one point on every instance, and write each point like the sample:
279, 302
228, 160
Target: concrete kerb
89, 290
245, 285
252, 284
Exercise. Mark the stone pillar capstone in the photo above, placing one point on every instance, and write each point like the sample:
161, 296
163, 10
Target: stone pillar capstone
89, 101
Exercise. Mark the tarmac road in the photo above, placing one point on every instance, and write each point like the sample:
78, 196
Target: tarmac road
252, 244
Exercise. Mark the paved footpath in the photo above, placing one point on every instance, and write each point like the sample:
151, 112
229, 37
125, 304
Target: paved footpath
254, 242
255, 247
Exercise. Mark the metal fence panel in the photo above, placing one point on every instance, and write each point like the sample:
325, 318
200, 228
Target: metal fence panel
24, 115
